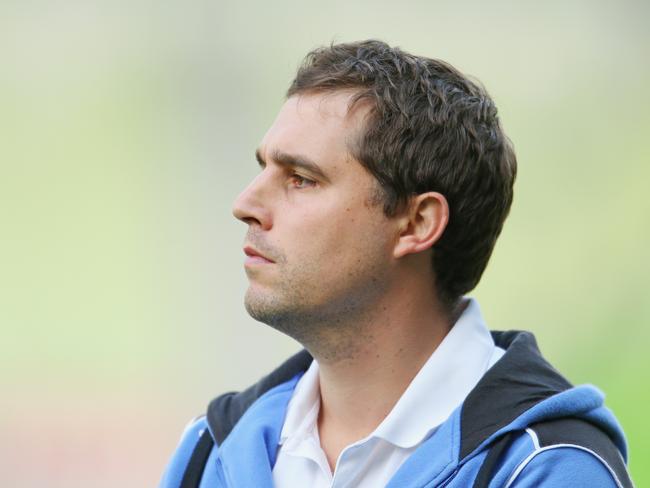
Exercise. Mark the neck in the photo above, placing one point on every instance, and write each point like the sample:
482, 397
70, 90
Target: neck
375, 363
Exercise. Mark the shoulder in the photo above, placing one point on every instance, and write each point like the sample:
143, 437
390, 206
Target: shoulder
181, 457
570, 452
563, 465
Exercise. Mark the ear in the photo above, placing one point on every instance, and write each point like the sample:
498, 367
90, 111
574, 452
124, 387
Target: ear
422, 224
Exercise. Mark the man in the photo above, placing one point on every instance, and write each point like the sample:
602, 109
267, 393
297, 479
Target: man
385, 181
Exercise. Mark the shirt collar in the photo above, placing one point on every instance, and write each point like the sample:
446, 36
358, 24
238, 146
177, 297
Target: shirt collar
302, 411
441, 385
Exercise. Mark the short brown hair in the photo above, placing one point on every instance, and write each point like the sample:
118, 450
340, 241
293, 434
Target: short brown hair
429, 128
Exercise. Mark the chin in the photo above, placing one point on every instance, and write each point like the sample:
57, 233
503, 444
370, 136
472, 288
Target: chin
280, 313
263, 307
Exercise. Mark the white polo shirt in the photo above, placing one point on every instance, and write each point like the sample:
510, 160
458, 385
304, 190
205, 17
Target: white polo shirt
442, 384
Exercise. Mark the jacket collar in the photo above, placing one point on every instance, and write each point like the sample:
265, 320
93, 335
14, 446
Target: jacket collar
520, 389
518, 381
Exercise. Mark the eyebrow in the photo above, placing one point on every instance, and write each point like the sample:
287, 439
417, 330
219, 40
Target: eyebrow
293, 161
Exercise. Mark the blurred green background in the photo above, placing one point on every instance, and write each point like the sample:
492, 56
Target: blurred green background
128, 128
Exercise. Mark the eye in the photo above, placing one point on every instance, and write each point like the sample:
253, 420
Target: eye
300, 182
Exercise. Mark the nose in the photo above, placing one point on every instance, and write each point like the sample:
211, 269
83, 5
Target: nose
251, 206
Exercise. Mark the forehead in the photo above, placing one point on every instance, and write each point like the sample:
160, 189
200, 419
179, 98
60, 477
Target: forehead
319, 126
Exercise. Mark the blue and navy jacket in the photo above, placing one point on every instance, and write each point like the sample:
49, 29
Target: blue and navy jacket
522, 426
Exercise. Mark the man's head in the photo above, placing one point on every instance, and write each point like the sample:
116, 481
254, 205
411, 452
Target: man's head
387, 130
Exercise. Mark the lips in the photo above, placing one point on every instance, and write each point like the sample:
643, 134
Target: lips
255, 257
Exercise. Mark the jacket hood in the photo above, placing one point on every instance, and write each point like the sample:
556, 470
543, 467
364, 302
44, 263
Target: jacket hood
521, 389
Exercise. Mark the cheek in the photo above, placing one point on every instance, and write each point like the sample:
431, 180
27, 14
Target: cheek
335, 230
319, 243
344, 240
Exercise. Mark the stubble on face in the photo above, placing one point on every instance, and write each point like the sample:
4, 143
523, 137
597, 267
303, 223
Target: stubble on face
331, 319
